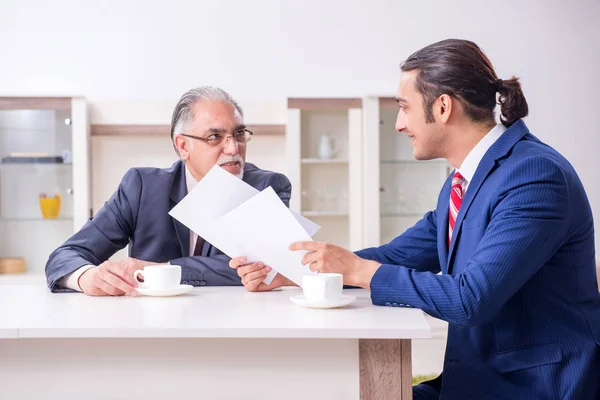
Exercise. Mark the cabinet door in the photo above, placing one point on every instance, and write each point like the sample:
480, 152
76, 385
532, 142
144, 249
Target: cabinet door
39, 169
324, 138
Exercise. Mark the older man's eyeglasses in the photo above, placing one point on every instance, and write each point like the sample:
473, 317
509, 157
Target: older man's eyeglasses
241, 137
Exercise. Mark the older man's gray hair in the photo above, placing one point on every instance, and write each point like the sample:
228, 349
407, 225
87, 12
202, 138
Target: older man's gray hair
184, 113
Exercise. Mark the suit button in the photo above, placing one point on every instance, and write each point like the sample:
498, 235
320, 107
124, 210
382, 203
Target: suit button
387, 303
184, 282
202, 283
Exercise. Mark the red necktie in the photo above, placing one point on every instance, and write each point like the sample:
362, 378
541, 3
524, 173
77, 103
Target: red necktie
456, 196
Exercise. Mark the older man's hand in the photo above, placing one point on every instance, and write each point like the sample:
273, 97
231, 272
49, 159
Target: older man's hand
253, 275
325, 257
112, 278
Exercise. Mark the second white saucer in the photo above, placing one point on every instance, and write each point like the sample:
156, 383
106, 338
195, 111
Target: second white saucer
181, 289
343, 300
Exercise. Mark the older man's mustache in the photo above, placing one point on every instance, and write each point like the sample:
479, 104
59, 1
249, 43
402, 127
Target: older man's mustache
231, 160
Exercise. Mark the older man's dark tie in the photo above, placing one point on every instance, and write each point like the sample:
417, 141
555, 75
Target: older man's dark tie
199, 245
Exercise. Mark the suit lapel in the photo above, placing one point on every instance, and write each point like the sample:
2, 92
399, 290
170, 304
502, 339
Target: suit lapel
442, 221
484, 168
498, 150
207, 249
178, 192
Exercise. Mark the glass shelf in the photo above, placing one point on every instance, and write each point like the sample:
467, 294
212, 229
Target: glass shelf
40, 219
34, 165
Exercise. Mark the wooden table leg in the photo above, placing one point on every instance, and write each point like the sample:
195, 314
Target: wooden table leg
385, 369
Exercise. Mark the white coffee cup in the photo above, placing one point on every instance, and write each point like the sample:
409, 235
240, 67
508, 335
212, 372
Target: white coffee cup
322, 286
159, 276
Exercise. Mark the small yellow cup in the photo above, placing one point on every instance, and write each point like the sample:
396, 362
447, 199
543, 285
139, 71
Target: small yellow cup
50, 207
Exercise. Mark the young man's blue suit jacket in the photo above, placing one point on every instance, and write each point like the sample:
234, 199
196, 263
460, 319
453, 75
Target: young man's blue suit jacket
518, 284
138, 215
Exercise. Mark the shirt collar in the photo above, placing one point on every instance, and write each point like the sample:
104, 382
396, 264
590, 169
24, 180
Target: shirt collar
190, 182
471, 162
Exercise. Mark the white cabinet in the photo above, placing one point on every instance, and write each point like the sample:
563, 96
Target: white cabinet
371, 189
44, 175
323, 148
398, 190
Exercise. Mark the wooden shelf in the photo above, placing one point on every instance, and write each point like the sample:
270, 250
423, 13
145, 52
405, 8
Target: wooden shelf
165, 130
131, 130
323, 161
267, 129
388, 103
402, 215
324, 104
35, 103
324, 214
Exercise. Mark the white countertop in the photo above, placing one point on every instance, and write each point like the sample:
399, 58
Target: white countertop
20, 304
31, 311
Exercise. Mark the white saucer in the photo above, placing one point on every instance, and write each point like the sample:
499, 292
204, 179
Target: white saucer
181, 289
343, 300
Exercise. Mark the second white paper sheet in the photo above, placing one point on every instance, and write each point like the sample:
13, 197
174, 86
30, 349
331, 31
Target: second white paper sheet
265, 228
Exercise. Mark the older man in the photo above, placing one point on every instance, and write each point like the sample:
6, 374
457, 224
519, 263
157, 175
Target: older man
207, 129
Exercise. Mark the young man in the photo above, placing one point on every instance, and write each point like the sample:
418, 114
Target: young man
512, 234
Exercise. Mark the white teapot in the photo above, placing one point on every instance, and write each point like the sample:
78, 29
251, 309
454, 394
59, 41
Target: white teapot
326, 148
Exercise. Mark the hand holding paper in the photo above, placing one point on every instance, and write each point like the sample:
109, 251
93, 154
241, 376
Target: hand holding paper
266, 228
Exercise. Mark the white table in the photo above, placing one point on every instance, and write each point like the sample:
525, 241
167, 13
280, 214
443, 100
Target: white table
212, 343
22, 304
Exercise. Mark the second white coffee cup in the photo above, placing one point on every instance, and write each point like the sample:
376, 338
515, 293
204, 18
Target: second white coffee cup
322, 287
159, 276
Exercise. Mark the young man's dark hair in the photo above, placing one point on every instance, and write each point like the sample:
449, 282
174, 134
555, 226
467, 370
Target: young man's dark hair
460, 69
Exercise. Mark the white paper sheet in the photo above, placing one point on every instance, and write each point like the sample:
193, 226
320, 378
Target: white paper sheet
217, 194
266, 228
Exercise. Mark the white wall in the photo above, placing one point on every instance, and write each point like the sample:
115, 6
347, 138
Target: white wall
270, 49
